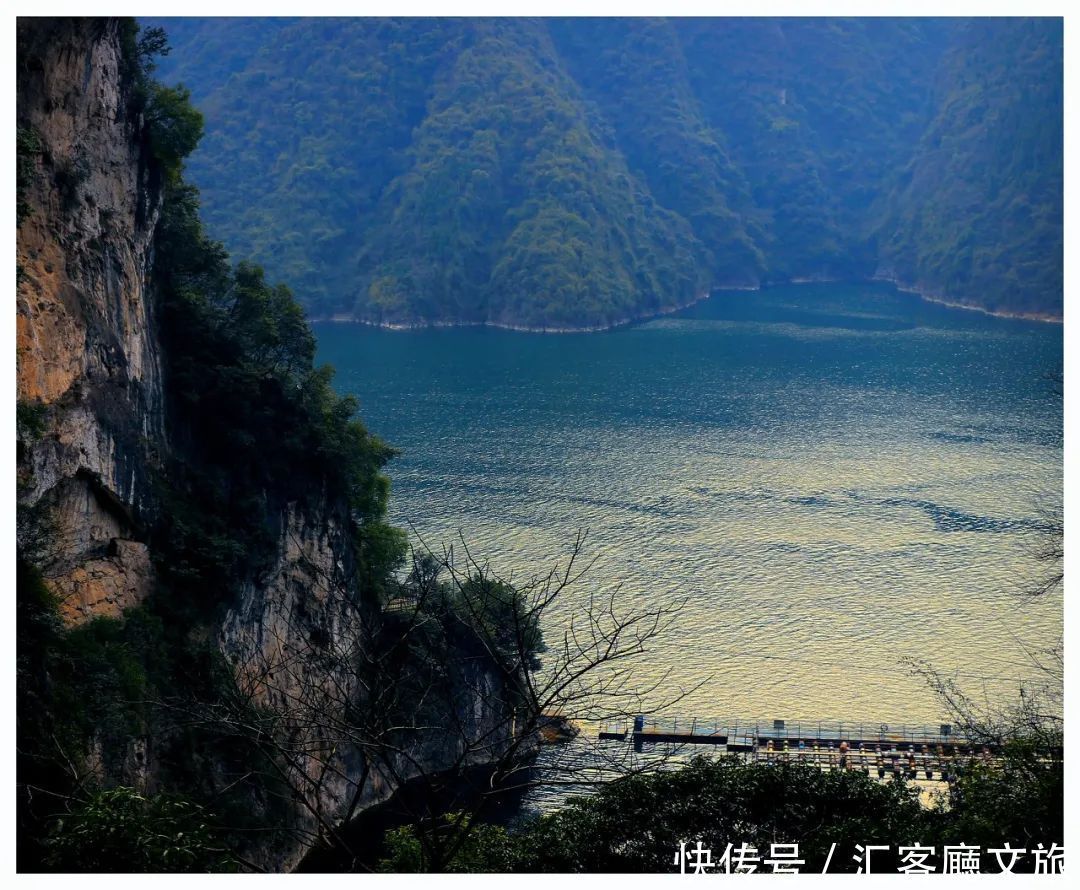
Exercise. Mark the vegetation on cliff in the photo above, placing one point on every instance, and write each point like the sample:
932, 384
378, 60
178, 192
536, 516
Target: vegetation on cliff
571, 173
144, 742
258, 424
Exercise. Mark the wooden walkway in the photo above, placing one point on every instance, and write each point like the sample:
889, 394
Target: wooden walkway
916, 752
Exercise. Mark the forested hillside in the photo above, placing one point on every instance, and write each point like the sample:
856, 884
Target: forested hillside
977, 213
572, 173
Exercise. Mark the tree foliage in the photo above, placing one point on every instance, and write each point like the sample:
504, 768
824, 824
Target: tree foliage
175, 126
636, 824
258, 424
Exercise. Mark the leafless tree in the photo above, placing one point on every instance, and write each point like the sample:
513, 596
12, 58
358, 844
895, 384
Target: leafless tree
448, 687
1034, 716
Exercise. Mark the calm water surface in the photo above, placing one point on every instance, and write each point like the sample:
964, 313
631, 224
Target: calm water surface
837, 476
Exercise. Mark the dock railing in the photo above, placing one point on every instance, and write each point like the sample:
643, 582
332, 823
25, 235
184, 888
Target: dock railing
785, 733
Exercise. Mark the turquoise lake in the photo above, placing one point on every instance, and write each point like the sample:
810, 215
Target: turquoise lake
837, 477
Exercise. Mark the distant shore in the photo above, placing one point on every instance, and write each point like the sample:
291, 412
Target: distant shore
930, 297
345, 318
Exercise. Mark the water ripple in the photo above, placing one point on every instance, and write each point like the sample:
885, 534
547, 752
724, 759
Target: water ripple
836, 478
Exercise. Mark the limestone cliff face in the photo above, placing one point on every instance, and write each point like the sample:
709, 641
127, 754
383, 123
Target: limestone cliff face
93, 434
89, 371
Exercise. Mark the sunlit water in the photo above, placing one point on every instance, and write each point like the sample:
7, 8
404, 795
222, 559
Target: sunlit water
838, 477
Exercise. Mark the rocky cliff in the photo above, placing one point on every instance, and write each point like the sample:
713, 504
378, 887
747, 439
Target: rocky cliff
100, 441
89, 368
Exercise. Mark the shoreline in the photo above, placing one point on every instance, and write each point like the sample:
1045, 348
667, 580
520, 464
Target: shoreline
953, 304
343, 318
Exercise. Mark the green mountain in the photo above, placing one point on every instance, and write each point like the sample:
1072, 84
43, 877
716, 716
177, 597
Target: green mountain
570, 173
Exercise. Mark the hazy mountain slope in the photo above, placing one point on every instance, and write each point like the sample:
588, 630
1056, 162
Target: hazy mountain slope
510, 209
307, 133
568, 173
818, 113
635, 75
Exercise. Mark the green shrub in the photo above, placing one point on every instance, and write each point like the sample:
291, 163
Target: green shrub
483, 848
27, 148
121, 830
30, 418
